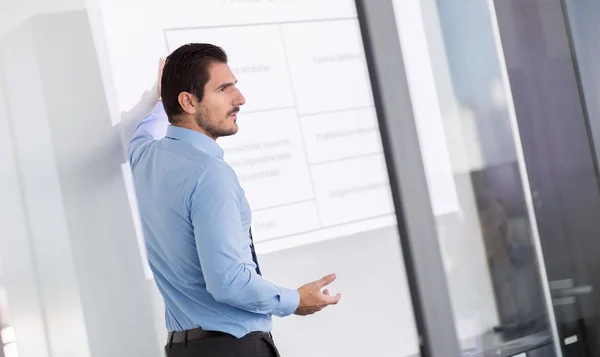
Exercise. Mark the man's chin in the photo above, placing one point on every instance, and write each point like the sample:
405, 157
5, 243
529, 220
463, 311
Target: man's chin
234, 129
230, 132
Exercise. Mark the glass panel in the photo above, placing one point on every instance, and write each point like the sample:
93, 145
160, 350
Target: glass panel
462, 107
308, 155
584, 25
560, 156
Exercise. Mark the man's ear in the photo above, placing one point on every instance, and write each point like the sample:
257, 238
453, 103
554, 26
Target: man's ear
188, 102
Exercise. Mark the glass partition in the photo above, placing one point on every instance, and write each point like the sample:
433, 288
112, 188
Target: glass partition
470, 148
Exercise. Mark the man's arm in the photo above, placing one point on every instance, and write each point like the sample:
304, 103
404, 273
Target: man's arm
215, 215
152, 128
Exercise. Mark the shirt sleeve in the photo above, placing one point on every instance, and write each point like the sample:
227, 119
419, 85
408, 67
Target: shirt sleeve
215, 214
152, 128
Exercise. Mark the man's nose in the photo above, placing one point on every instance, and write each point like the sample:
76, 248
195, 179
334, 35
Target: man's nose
240, 99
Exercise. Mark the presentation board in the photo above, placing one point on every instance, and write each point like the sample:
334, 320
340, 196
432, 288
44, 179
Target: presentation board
308, 152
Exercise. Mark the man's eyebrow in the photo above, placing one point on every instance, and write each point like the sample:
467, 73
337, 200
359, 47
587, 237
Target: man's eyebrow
226, 84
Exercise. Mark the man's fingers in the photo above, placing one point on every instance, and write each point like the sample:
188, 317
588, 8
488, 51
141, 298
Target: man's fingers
326, 280
329, 300
332, 300
161, 66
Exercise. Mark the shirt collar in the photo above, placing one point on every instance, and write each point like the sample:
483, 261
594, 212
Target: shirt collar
197, 139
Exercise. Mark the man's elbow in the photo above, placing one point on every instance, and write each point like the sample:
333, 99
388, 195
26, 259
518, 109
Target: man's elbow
225, 294
131, 155
224, 297
136, 148
228, 290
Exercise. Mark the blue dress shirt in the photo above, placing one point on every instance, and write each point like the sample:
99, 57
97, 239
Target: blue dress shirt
196, 222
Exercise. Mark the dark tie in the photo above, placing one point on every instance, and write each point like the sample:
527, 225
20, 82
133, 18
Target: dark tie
254, 252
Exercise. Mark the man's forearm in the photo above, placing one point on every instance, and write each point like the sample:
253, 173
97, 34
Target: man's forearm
248, 291
155, 124
132, 118
152, 128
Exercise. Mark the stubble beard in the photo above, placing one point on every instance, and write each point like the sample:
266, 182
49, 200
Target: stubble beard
204, 119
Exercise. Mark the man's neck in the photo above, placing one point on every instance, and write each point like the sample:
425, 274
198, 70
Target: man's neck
193, 126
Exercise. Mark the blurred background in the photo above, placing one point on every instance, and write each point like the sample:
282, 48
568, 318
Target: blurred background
442, 156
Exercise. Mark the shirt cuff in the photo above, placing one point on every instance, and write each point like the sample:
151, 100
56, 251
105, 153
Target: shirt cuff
289, 300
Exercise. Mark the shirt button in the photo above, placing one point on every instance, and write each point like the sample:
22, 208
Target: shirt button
257, 309
281, 313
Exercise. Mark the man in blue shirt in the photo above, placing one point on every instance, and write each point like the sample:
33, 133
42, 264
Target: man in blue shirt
197, 221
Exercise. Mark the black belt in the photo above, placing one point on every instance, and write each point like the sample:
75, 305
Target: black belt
200, 334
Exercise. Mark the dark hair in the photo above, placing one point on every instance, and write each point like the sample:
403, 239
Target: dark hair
186, 70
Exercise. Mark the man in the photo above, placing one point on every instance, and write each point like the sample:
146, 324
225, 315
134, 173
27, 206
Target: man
197, 222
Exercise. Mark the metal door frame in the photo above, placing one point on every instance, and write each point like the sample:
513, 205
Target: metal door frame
416, 223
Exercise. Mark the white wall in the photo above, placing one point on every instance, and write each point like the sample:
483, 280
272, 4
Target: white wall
19, 275
15, 12
375, 315
77, 231
44, 231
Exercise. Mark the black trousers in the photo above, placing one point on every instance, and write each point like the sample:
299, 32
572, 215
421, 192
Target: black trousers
251, 345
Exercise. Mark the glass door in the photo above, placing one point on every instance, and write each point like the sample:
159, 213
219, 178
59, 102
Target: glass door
458, 179
560, 158
495, 139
